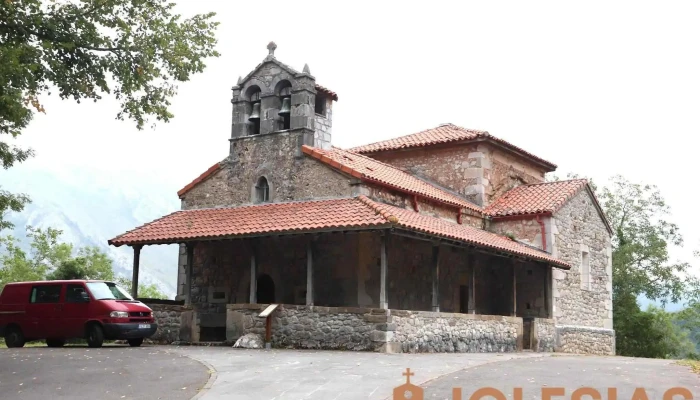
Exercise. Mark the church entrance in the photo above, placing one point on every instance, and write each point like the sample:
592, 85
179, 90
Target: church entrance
266, 289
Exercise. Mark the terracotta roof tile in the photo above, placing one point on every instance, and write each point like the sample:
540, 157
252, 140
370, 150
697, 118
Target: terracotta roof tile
369, 169
310, 216
256, 219
327, 91
442, 134
206, 174
538, 198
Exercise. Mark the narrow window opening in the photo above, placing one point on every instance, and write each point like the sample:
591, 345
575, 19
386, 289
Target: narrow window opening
585, 271
320, 105
262, 191
285, 112
255, 111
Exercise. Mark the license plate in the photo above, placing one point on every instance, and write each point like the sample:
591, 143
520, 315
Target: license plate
144, 326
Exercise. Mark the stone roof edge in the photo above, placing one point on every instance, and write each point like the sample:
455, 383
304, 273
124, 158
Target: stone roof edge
201, 178
267, 59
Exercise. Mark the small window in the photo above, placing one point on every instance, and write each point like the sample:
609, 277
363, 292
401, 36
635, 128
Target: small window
585, 271
45, 294
76, 294
320, 105
262, 191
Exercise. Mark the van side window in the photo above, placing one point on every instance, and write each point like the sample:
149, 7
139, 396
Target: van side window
45, 294
76, 294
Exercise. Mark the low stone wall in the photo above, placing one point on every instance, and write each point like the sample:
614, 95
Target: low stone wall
169, 320
545, 335
312, 327
434, 332
585, 340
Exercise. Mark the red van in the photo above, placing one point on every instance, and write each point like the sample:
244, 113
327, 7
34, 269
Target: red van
78, 309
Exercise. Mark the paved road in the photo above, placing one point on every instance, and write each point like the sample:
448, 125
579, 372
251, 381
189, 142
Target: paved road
112, 372
324, 375
570, 373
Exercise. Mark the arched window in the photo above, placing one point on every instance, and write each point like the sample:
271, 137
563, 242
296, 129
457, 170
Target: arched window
284, 91
262, 191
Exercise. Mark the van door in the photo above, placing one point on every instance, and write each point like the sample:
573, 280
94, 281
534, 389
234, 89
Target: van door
44, 311
75, 310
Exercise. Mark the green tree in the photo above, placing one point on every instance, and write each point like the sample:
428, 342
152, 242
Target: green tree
145, 291
134, 50
91, 263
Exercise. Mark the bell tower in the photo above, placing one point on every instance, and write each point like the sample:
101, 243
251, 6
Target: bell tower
275, 98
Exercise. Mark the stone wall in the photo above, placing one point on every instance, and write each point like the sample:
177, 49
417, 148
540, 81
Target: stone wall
169, 320
275, 157
526, 230
429, 332
480, 172
577, 229
585, 340
323, 125
312, 327
544, 339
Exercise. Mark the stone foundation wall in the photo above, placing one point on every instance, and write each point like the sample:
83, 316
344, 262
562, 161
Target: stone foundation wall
585, 340
545, 335
169, 320
312, 327
430, 332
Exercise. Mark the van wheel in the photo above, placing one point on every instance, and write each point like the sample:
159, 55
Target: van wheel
135, 342
14, 337
95, 336
55, 342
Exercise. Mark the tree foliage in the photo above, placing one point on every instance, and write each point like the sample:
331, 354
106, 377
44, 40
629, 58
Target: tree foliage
134, 50
51, 259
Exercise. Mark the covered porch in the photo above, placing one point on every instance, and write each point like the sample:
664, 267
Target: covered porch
384, 280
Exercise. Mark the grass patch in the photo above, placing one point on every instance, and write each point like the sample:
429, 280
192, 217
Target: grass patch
693, 364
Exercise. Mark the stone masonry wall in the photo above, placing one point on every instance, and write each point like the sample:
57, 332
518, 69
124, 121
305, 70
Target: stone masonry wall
272, 156
526, 230
323, 125
312, 327
584, 340
168, 318
480, 172
429, 332
578, 228
545, 335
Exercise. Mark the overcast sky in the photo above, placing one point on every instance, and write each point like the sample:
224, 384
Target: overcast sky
598, 88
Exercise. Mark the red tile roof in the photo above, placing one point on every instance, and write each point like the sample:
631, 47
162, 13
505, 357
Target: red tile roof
446, 133
313, 216
540, 198
199, 179
327, 91
369, 169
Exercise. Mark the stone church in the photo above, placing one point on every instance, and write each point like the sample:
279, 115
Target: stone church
443, 240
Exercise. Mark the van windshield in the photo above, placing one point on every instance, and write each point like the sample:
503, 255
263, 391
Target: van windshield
107, 291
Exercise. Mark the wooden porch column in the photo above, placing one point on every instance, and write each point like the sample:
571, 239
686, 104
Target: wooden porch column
309, 274
515, 297
472, 285
436, 277
188, 272
135, 272
548, 291
253, 276
383, 301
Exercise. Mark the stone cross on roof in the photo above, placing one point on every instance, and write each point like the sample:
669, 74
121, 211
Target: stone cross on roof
271, 47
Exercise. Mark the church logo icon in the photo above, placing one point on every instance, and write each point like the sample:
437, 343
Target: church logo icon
408, 390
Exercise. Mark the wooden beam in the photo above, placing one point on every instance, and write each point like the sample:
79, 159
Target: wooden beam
515, 295
135, 272
472, 284
383, 301
436, 277
253, 274
548, 301
188, 272
309, 273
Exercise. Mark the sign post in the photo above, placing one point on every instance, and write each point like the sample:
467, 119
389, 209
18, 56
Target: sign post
267, 314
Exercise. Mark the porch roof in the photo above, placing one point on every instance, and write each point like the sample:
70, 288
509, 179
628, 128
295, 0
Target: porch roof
355, 213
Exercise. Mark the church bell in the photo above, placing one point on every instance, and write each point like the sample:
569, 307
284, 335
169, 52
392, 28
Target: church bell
286, 106
256, 112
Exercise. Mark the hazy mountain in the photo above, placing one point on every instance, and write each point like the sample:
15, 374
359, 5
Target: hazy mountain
91, 207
